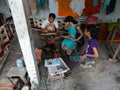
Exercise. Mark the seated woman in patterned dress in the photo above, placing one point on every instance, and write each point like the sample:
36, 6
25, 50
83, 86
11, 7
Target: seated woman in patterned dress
69, 43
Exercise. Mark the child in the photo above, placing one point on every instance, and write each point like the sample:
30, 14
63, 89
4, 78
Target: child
92, 47
69, 43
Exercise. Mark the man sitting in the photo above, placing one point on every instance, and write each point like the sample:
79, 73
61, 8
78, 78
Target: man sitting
50, 28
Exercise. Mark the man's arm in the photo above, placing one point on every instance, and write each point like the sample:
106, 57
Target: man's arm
44, 26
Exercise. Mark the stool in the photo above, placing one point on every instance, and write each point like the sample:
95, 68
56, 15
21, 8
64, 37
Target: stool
113, 28
111, 37
113, 59
17, 72
54, 73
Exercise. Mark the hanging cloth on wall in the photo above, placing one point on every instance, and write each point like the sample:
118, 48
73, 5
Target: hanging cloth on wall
105, 5
111, 7
28, 8
64, 9
90, 9
33, 5
77, 6
41, 4
53, 6
95, 3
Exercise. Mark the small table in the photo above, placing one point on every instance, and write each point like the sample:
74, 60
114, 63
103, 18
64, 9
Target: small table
17, 72
56, 70
47, 34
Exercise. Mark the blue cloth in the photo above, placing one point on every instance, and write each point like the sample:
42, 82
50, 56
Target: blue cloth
95, 3
105, 5
41, 3
68, 42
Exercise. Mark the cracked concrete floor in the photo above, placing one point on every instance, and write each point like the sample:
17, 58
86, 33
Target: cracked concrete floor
100, 77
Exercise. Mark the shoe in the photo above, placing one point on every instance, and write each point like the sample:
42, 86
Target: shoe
92, 62
86, 65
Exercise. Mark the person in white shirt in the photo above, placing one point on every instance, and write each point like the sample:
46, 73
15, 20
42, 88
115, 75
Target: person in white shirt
50, 25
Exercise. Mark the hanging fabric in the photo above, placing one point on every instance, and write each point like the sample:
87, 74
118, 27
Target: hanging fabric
110, 7
64, 9
28, 9
77, 6
105, 5
90, 8
41, 4
53, 6
33, 5
95, 3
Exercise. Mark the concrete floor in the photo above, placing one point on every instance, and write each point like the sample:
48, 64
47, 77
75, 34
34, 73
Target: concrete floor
100, 77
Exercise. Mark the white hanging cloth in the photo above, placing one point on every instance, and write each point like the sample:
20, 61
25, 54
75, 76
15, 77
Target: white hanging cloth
77, 6
53, 6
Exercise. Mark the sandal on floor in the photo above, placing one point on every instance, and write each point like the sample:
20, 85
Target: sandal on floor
92, 62
86, 65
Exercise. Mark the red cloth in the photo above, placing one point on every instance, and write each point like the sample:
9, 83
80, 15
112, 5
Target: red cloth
90, 9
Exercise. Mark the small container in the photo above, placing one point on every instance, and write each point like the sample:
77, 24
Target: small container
49, 61
19, 62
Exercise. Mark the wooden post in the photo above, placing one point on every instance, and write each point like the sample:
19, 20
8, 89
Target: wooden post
25, 39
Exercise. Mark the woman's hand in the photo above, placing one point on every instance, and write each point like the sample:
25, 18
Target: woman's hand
82, 57
65, 36
75, 40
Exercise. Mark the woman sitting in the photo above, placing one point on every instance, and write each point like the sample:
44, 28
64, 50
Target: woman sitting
69, 43
91, 51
